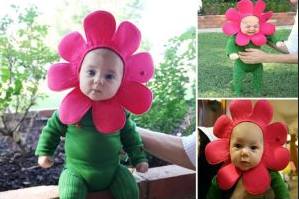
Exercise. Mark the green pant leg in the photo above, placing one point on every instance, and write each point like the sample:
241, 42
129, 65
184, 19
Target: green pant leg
124, 185
71, 186
238, 76
258, 79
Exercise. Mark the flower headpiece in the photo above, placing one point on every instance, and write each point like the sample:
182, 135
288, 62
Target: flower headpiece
247, 8
100, 31
275, 156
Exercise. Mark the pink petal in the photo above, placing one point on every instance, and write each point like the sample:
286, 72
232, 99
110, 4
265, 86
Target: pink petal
231, 28
62, 76
135, 97
127, 39
240, 109
233, 15
257, 180
267, 29
227, 176
242, 40
246, 7
70, 46
276, 134
276, 158
99, 28
260, 6
140, 67
73, 107
259, 39
217, 151
262, 112
108, 116
265, 17
223, 127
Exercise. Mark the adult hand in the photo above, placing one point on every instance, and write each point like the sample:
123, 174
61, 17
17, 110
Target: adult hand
254, 56
45, 161
142, 167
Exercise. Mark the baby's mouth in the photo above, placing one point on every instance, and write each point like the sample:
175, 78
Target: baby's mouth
96, 90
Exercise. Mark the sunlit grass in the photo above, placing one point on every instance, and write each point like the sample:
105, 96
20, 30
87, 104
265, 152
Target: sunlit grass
215, 71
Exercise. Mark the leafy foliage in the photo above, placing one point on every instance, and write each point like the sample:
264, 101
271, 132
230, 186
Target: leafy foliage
219, 7
23, 56
172, 78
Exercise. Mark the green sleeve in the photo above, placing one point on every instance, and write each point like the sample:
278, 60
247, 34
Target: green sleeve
231, 46
273, 39
131, 142
278, 186
50, 136
214, 192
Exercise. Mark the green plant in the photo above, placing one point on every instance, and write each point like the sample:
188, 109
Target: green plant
23, 56
170, 105
219, 7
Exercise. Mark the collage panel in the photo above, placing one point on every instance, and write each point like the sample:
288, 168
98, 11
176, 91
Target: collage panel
98, 99
248, 48
248, 148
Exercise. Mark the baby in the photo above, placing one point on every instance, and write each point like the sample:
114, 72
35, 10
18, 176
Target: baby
93, 117
252, 151
248, 29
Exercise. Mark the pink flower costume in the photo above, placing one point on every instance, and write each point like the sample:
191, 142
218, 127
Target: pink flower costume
275, 157
96, 131
238, 41
108, 115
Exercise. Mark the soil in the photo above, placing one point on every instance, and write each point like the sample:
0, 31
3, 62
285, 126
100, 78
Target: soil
20, 171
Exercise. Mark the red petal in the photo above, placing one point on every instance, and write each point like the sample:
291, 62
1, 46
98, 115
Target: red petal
127, 39
242, 40
231, 28
73, 107
223, 127
265, 17
262, 112
259, 39
135, 97
246, 7
70, 46
276, 158
140, 67
217, 151
267, 29
233, 15
108, 116
276, 134
260, 6
227, 176
99, 28
240, 109
62, 76
257, 180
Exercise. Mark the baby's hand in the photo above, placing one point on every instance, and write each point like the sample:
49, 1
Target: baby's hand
234, 56
142, 167
45, 161
280, 44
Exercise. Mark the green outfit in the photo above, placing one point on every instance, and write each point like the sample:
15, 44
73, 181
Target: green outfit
92, 158
240, 68
277, 184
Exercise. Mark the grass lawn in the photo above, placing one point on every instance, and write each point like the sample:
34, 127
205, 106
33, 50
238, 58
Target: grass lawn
215, 71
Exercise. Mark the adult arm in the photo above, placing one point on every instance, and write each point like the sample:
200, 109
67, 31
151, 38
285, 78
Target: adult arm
253, 56
167, 147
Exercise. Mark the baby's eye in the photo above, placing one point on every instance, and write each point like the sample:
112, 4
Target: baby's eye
91, 73
109, 76
253, 147
238, 146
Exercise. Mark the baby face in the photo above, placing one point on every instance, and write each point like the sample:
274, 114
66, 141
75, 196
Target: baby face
246, 145
101, 74
250, 25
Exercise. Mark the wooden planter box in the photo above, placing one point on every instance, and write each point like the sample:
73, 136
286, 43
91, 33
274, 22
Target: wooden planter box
216, 21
